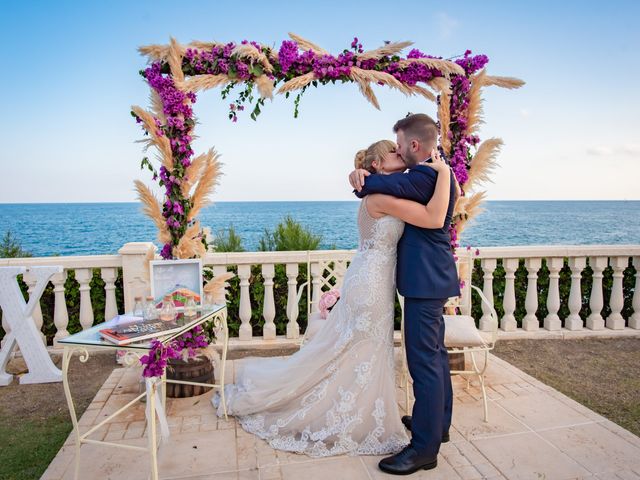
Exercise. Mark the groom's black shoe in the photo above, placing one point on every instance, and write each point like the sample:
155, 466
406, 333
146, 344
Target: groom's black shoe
406, 421
407, 461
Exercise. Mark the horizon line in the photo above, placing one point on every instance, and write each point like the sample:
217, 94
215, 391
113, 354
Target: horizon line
213, 204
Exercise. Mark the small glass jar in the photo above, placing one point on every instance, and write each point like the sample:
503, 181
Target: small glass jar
138, 309
168, 310
150, 310
190, 307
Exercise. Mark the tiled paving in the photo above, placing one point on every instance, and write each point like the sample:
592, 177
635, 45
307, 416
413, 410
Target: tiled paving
533, 432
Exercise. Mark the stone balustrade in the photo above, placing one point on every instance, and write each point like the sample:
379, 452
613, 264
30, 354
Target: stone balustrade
575, 287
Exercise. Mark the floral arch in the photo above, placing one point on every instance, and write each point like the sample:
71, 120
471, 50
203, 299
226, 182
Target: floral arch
177, 72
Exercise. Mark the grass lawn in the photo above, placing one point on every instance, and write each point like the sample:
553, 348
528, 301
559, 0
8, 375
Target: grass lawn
34, 419
601, 374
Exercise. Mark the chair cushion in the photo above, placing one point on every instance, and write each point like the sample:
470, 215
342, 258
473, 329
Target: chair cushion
461, 331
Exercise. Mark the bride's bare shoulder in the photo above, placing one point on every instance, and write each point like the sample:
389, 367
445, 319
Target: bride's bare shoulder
374, 205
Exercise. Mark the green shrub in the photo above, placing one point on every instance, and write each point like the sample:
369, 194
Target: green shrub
227, 240
11, 248
289, 235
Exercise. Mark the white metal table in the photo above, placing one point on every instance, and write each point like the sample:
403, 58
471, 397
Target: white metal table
155, 390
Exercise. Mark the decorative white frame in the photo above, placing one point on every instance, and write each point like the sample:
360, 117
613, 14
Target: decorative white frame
184, 270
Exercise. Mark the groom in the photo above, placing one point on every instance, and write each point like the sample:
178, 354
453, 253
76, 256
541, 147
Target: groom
426, 277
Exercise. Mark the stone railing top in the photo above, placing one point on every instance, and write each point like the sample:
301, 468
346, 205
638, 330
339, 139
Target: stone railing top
276, 257
546, 251
244, 258
68, 262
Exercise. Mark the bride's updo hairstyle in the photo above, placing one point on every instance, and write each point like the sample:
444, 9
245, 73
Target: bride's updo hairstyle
376, 151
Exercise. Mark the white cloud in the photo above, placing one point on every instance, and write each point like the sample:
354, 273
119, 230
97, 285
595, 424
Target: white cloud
446, 24
600, 151
631, 149
525, 112
606, 151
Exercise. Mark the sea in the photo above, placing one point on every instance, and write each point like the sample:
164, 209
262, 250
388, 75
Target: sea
102, 228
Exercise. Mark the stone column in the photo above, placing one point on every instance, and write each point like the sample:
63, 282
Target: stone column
530, 321
84, 276
293, 329
508, 322
596, 302
552, 320
269, 310
135, 271
573, 321
615, 320
60, 313
488, 267
109, 275
246, 333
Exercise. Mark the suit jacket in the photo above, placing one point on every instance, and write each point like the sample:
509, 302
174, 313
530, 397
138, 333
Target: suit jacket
426, 267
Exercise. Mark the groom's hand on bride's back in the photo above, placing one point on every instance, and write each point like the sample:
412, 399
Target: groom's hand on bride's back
356, 178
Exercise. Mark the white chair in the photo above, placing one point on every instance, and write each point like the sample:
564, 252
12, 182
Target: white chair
461, 334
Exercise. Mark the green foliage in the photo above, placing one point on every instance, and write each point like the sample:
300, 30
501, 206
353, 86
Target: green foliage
227, 240
289, 235
11, 247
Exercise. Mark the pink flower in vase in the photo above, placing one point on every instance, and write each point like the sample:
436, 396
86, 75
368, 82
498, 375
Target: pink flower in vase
327, 302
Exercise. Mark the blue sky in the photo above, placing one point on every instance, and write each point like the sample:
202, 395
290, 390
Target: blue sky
71, 73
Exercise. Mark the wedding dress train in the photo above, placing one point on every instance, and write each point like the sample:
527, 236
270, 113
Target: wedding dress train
337, 394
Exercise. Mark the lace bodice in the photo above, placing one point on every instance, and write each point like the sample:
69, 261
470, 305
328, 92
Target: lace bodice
380, 233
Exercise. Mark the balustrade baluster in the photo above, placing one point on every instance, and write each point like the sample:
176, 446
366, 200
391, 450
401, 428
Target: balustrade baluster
246, 333
615, 320
530, 321
60, 314
84, 276
596, 302
552, 320
573, 321
508, 322
269, 310
109, 276
488, 267
293, 329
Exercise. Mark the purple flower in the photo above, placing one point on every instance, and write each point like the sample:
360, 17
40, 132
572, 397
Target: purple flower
166, 251
288, 54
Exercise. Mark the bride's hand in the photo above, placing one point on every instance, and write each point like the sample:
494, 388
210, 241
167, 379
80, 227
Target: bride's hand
356, 178
437, 163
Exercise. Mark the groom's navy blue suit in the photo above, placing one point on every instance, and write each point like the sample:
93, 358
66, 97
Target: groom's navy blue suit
426, 277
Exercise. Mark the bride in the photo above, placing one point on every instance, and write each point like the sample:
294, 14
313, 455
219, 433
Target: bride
337, 394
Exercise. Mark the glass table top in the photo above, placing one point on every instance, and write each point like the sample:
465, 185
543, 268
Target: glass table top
91, 337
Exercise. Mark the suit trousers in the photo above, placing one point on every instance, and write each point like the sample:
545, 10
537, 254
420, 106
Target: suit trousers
428, 364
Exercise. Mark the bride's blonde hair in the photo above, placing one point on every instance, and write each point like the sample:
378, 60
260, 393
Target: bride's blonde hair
376, 151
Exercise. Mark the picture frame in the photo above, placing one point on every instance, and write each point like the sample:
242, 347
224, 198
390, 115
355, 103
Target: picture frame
167, 275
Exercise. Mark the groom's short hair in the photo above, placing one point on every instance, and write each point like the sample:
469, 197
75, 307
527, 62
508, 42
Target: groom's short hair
418, 126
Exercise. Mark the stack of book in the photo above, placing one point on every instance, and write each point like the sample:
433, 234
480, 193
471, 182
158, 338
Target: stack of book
126, 329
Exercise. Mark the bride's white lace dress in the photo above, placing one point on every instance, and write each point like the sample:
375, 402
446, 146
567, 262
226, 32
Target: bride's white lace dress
337, 394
